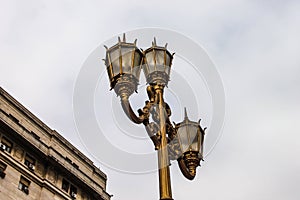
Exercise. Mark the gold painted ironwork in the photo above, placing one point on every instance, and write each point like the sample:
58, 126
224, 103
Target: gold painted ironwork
182, 142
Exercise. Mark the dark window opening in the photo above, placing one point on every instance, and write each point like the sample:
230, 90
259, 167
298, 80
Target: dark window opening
29, 162
68, 160
6, 145
23, 185
2, 169
65, 185
35, 135
13, 118
76, 166
73, 191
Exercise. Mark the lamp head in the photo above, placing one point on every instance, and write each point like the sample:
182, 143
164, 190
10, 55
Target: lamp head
157, 64
123, 63
190, 136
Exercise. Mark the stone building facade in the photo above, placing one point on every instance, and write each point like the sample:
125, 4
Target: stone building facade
37, 163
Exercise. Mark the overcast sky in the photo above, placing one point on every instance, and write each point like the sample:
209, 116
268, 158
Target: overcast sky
255, 46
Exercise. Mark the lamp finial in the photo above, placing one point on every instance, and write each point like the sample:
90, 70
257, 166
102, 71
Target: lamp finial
185, 113
124, 37
154, 42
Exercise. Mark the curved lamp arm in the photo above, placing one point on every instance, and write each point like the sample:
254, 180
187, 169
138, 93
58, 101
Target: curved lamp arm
184, 170
129, 112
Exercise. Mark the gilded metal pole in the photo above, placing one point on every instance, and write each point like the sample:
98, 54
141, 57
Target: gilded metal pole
163, 160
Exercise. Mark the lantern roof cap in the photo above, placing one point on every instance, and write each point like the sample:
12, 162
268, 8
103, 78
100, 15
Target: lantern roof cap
187, 121
122, 43
155, 47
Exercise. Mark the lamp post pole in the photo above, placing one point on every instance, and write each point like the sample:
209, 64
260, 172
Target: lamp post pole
163, 158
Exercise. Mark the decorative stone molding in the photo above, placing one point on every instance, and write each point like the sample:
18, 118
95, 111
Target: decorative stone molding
19, 153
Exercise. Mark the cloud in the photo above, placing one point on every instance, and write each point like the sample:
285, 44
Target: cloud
254, 44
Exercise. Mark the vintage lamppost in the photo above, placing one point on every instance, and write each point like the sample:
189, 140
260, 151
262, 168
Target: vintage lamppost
182, 142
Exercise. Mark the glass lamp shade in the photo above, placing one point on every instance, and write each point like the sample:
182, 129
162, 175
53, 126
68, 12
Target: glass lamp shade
123, 60
190, 136
189, 146
157, 65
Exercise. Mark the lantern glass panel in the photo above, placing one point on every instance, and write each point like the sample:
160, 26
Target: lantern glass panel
114, 58
200, 144
194, 137
137, 58
150, 61
136, 72
127, 53
183, 138
137, 62
168, 60
168, 64
160, 58
167, 69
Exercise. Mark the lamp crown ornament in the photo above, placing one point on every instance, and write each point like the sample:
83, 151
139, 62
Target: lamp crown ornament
183, 141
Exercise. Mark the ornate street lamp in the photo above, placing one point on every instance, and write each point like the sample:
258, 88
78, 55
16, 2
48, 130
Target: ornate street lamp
184, 142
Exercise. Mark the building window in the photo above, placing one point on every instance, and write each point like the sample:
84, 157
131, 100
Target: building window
29, 162
23, 185
65, 185
2, 169
6, 145
73, 191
